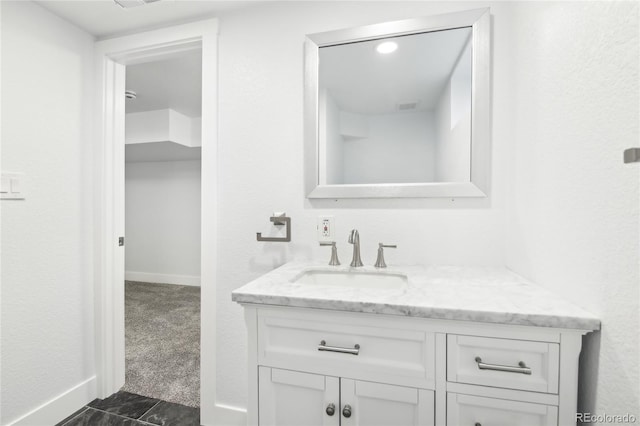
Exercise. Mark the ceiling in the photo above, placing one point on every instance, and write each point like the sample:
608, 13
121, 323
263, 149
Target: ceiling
104, 18
175, 83
363, 81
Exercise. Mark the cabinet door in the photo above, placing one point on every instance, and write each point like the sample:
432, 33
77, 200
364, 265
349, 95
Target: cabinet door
376, 404
292, 398
470, 410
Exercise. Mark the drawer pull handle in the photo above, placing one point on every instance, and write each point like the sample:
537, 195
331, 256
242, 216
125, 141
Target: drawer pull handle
521, 368
323, 347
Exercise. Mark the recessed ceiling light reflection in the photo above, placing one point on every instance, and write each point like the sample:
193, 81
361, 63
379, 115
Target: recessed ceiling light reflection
387, 47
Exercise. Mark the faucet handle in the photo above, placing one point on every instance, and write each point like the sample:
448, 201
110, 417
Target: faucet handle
380, 263
334, 252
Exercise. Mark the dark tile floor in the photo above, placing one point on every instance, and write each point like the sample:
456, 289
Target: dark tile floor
129, 409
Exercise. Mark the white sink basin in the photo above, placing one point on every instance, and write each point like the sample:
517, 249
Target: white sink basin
353, 279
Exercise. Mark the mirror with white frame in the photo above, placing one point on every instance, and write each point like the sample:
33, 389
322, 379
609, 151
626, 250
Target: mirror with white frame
399, 109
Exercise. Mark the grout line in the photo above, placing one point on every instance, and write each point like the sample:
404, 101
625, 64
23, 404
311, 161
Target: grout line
124, 417
79, 414
154, 406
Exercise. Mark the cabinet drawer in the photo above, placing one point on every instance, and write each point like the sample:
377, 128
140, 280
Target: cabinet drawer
503, 363
470, 410
386, 352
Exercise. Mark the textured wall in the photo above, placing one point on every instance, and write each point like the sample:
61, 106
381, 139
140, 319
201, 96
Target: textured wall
453, 151
162, 217
261, 156
574, 206
47, 288
331, 161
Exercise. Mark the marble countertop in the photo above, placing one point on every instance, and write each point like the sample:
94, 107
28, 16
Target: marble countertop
483, 294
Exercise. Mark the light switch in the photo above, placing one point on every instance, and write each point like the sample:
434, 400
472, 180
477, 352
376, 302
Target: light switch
12, 187
16, 185
6, 184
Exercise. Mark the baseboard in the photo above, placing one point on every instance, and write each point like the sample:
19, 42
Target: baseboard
149, 277
223, 415
61, 406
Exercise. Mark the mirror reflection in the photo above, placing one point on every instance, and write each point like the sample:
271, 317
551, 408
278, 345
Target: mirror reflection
396, 110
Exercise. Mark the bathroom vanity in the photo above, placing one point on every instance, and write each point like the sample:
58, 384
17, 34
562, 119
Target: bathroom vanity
335, 345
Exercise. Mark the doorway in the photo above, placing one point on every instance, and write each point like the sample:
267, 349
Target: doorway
163, 110
112, 56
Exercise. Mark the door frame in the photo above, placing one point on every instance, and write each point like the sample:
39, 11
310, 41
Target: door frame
111, 57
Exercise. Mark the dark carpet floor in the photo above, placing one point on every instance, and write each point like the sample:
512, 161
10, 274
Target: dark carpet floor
162, 341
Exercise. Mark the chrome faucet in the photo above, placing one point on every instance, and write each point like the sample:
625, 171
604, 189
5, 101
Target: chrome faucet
354, 238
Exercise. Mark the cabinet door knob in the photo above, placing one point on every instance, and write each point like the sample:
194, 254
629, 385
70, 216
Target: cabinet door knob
331, 409
477, 424
346, 411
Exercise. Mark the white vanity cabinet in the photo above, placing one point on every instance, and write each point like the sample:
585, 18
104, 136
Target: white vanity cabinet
453, 345
295, 398
308, 365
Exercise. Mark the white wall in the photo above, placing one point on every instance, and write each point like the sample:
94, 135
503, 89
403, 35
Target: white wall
574, 206
162, 222
331, 141
47, 288
398, 148
461, 85
261, 164
453, 124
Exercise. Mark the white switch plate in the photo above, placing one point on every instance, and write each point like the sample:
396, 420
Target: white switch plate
326, 228
12, 187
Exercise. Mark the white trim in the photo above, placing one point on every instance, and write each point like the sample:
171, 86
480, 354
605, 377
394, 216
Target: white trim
109, 203
397, 190
571, 345
227, 416
109, 224
251, 319
63, 405
150, 277
440, 397
440, 22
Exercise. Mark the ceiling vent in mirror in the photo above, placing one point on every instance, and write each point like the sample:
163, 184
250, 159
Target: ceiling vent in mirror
407, 106
128, 4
